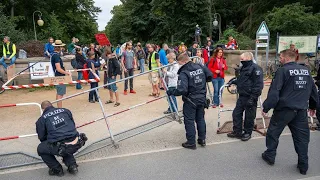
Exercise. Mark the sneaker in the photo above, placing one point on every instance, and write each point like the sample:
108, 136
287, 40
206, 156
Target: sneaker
91, 101
221, 105
189, 146
202, 142
56, 172
245, 137
266, 159
73, 169
132, 91
234, 135
167, 112
125, 92
214, 106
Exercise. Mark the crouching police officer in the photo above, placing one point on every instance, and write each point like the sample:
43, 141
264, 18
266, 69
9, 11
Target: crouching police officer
249, 86
192, 86
289, 93
58, 135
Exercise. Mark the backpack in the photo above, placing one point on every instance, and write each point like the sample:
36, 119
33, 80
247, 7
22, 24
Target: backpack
74, 63
207, 64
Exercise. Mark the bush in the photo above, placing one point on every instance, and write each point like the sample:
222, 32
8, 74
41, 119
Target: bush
244, 42
33, 48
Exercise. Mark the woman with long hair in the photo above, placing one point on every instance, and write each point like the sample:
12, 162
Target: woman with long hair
217, 65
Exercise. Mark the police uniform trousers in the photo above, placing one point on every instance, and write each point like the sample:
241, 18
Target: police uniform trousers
47, 151
297, 120
194, 114
250, 115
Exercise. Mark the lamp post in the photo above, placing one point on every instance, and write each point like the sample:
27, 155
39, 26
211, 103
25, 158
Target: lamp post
217, 23
40, 22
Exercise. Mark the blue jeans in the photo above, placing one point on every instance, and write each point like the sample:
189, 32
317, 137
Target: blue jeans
2, 61
80, 76
174, 99
217, 84
141, 64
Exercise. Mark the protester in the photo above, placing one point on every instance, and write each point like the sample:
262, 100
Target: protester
58, 69
211, 41
192, 51
291, 94
249, 87
293, 48
59, 137
232, 44
48, 48
141, 58
192, 87
180, 47
93, 64
128, 61
72, 46
81, 61
197, 34
183, 50
217, 65
171, 74
95, 50
163, 55
9, 51
113, 71
210, 49
200, 59
154, 62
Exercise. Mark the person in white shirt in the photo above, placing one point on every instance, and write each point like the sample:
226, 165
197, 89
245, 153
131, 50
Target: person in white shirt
171, 74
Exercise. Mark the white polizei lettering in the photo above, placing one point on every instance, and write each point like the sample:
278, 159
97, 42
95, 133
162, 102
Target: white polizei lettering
299, 72
196, 72
57, 111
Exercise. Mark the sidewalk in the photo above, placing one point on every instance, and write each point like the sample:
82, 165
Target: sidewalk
232, 160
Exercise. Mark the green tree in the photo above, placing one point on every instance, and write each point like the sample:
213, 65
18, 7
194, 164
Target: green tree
293, 19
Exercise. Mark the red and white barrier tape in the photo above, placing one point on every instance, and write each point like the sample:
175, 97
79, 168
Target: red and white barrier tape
44, 85
85, 124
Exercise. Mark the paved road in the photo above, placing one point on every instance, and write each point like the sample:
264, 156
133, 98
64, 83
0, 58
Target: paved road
234, 160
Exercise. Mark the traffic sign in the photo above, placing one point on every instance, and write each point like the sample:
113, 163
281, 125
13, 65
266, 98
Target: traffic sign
263, 37
263, 29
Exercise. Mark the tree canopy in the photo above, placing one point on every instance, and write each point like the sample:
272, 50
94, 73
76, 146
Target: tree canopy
160, 20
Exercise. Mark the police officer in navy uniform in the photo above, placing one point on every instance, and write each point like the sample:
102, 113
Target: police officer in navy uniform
249, 86
192, 87
58, 135
291, 94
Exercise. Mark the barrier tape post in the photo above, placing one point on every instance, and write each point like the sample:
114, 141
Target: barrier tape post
170, 101
106, 120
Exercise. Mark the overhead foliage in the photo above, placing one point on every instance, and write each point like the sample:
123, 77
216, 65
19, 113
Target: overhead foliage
160, 20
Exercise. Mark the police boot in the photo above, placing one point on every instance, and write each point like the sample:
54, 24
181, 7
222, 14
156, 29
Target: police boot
266, 159
202, 142
189, 146
245, 137
56, 172
234, 135
303, 172
73, 169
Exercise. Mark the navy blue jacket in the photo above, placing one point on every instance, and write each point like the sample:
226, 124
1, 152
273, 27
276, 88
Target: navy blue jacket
192, 83
96, 64
250, 81
56, 124
292, 88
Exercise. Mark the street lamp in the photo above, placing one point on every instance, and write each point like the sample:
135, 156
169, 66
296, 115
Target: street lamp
216, 23
40, 22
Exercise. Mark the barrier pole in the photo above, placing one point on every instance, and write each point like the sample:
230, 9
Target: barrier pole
106, 120
261, 107
22, 104
169, 98
219, 108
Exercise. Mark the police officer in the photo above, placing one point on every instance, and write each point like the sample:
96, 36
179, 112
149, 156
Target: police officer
58, 135
249, 86
192, 86
289, 93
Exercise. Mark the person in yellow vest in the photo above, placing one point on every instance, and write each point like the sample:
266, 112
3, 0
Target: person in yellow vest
9, 52
154, 62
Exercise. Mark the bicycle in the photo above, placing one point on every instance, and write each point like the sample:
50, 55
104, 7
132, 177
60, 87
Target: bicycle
231, 87
313, 65
1, 84
271, 69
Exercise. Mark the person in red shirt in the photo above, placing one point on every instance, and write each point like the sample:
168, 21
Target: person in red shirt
217, 65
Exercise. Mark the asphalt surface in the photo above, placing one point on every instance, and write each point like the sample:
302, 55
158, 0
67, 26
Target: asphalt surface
233, 160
